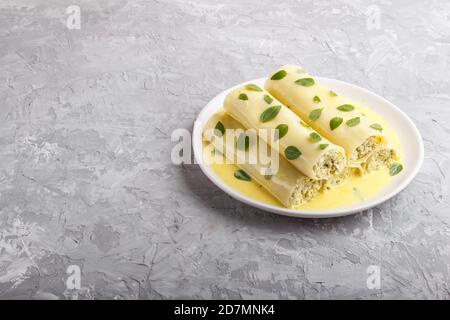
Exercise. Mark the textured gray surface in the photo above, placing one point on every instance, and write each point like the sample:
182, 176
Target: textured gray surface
85, 172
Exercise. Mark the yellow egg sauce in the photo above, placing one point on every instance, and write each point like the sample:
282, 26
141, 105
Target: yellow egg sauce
355, 189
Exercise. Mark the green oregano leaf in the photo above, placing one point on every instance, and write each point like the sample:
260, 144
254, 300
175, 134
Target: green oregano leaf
270, 113
243, 142
306, 82
315, 137
268, 174
243, 96
315, 114
242, 175
304, 124
376, 126
253, 87
335, 122
216, 152
395, 168
292, 153
332, 93
346, 107
279, 75
316, 99
268, 99
323, 146
282, 130
219, 129
353, 122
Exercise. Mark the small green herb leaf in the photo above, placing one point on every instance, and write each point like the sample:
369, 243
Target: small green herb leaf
316, 99
332, 93
282, 130
315, 114
314, 137
243, 142
292, 153
242, 175
269, 113
243, 96
395, 168
268, 99
253, 87
268, 174
353, 122
346, 107
335, 122
376, 126
216, 152
279, 75
304, 124
219, 129
306, 82
323, 146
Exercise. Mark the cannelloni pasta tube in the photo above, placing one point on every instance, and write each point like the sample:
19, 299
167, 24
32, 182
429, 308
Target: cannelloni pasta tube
288, 185
305, 149
337, 118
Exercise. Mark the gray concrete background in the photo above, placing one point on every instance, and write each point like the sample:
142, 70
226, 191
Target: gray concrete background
85, 173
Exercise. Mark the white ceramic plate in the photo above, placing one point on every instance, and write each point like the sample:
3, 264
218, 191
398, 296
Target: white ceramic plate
407, 133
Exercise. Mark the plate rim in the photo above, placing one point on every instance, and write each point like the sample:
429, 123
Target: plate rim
197, 146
